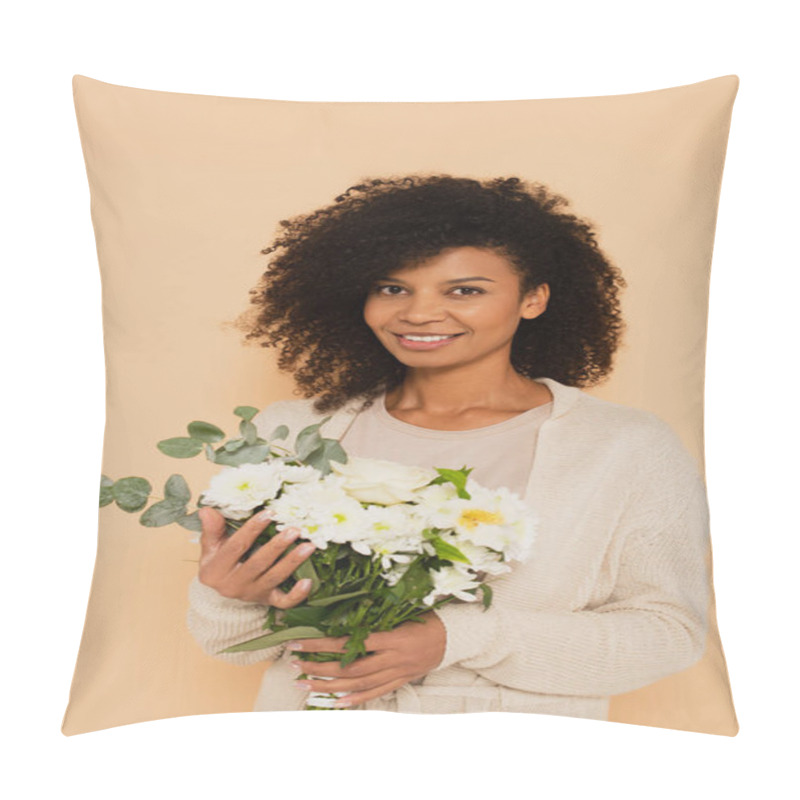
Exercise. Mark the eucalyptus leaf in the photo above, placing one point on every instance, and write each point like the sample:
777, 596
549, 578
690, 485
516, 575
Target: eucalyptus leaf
329, 450
255, 454
248, 431
271, 639
163, 513
106, 491
487, 595
233, 445
309, 439
205, 432
180, 447
211, 454
176, 488
281, 432
131, 494
245, 412
191, 522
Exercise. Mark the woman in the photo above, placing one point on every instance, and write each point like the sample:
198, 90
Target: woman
423, 315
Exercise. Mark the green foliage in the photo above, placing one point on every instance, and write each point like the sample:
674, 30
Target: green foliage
106, 491
163, 513
458, 477
271, 639
180, 447
131, 494
205, 432
245, 412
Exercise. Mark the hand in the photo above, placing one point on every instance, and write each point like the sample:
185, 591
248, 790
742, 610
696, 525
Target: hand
409, 651
255, 580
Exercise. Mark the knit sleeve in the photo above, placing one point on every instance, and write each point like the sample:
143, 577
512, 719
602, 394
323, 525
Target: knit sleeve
652, 625
217, 622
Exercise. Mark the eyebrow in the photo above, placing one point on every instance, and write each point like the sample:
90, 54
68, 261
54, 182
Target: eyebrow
455, 280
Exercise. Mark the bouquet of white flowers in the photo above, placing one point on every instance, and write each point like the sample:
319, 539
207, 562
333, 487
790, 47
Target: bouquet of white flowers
393, 541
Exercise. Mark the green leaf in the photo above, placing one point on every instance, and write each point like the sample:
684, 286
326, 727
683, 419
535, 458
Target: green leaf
191, 522
248, 454
304, 615
329, 450
245, 412
106, 493
205, 431
176, 488
306, 570
248, 431
271, 639
281, 432
327, 601
458, 477
180, 447
211, 454
487, 594
307, 441
132, 494
233, 445
446, 550
163, 513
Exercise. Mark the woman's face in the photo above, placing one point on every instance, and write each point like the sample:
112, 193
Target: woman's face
467, 293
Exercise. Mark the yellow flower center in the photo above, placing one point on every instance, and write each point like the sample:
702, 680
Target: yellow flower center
478, 516
243, 486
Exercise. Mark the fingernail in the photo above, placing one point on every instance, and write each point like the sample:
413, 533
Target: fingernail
290, 534
342, 704
264, 515
302, 684
294, 646
295, 666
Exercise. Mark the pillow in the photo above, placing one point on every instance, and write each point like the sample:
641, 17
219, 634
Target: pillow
187, 190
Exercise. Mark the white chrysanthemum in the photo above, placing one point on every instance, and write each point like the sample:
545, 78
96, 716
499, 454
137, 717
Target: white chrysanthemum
481, 559
323, 510
493, 518
236, 491
392, 533
450, 581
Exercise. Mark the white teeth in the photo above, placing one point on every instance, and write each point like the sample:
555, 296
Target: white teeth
426, 338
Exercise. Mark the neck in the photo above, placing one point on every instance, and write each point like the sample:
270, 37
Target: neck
454, 391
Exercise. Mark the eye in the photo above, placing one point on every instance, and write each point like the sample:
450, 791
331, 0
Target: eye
474, 290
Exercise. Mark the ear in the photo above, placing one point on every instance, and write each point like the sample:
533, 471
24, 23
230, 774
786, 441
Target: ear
535, 301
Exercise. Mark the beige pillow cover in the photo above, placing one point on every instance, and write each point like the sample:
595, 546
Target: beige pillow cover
187, 189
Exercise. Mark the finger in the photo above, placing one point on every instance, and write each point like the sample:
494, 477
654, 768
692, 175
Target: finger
239, 542
213, 531
366, 665
282, 569
298, 594
266, 555
367, 683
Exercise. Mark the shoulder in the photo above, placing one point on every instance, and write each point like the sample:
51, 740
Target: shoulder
641, 437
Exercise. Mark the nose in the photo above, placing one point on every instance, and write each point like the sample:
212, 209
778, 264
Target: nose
420, 308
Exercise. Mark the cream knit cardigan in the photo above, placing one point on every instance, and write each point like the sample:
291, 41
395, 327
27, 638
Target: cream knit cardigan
613, 597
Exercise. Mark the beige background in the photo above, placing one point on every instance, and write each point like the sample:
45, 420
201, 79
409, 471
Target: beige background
186, 190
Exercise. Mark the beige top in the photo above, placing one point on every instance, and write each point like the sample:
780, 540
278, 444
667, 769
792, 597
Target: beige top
500, 454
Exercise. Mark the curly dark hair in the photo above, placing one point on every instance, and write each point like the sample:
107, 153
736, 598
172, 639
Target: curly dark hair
310, 301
